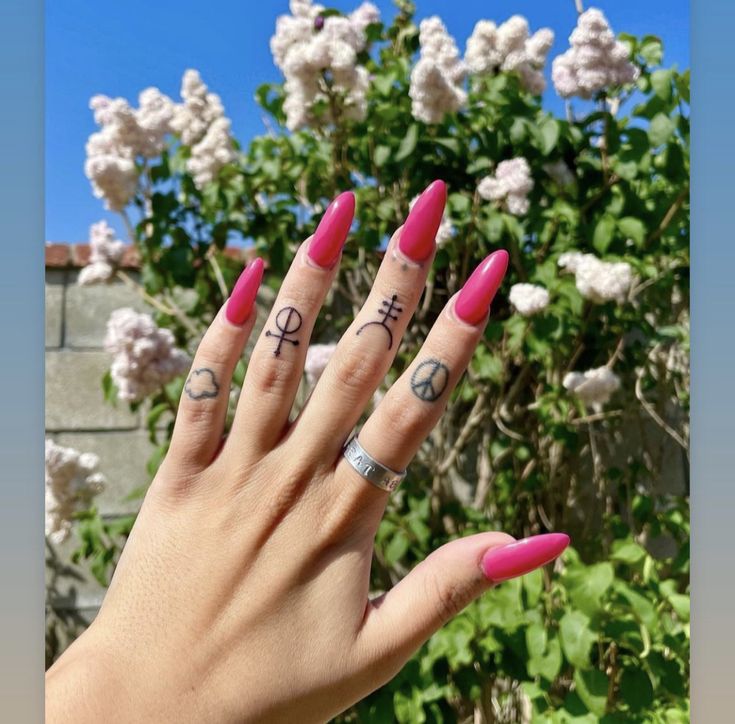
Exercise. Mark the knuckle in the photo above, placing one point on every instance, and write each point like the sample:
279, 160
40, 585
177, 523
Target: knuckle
355, 370
407, 419
449, 597
268, 374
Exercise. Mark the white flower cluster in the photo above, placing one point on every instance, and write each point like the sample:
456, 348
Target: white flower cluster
307, 45
124, 134
510, 47
595, 60
105, 254
529, 299
438, 76
510, 185
599, 281
201, 123
127, 133
145, 355
594, 387
445, 232
317, 358
72, 480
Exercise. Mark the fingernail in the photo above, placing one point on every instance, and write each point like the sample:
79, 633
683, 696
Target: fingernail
330, 235
523, 556
241, 301
419, 230
478, 291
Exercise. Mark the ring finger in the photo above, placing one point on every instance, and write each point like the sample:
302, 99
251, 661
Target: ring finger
413, 405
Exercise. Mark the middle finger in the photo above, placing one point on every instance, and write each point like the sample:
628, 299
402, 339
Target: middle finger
367, 349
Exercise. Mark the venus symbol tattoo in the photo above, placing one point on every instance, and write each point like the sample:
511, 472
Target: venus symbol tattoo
387, 312
288, 321
429, 380
201, 384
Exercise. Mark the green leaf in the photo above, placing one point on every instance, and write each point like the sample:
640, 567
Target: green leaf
652, 50
681, 605
549, 131
533, 584
546, 662
636, 689
408, 144
603, 234
632, 228
661, 82
628, 552
396, 549
381, 155
591, 687
588, 585
661, 129
576, 638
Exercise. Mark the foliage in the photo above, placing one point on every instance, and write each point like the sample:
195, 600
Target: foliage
605, 636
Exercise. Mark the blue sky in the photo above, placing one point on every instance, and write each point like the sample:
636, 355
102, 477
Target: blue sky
120, 48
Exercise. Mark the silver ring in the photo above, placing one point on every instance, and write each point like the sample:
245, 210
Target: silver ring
370, 469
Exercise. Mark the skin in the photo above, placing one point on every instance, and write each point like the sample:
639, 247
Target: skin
242, 594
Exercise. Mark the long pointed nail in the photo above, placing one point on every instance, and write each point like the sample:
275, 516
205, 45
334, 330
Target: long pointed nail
478, 291
422, 223
523, 556
241, 301
331, 234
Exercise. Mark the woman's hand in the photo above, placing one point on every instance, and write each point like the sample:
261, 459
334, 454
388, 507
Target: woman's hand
243, 591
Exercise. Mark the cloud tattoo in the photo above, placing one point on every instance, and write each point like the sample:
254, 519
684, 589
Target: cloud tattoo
201, 384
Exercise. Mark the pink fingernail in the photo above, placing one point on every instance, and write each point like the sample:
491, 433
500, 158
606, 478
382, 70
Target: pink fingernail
241, 301
523, 556
419, 230
330, 235
478, 291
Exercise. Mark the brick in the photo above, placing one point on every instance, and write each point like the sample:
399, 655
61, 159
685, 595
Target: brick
88, 308
57, 255
74, 393
54, 307
123, 457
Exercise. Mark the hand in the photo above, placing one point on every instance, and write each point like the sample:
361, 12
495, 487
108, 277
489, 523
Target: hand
243, 591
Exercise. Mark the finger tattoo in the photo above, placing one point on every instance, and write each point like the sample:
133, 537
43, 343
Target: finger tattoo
288, 321
387, 311
429, 380
201, 384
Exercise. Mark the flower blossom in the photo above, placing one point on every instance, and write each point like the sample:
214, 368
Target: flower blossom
199, 110
105, 255
313, 51
209, 155
72, 480
594, 387
597, 280
438, 76
510, 185
529, 299
510, 47
125, 133
317, 358
145, 357
594, 61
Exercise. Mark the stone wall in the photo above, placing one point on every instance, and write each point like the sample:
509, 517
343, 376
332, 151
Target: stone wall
77, 415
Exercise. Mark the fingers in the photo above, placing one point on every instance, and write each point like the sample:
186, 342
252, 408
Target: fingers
439, 588
416, 401
368, 347
277, 360
202, 409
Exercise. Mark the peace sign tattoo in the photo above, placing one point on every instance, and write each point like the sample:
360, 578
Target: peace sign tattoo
429, 380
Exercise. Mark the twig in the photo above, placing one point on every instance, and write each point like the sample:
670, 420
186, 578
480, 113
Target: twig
596, 417
473, 420
217, 272
144, 294
669, 216
648, 407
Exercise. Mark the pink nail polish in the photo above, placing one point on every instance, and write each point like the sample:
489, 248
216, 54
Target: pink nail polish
419, 230
241, 301
330, 235
478, 291
523, 556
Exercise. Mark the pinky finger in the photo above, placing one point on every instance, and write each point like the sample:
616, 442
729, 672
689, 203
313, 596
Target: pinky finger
200, 420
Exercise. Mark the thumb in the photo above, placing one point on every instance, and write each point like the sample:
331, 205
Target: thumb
439, 587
